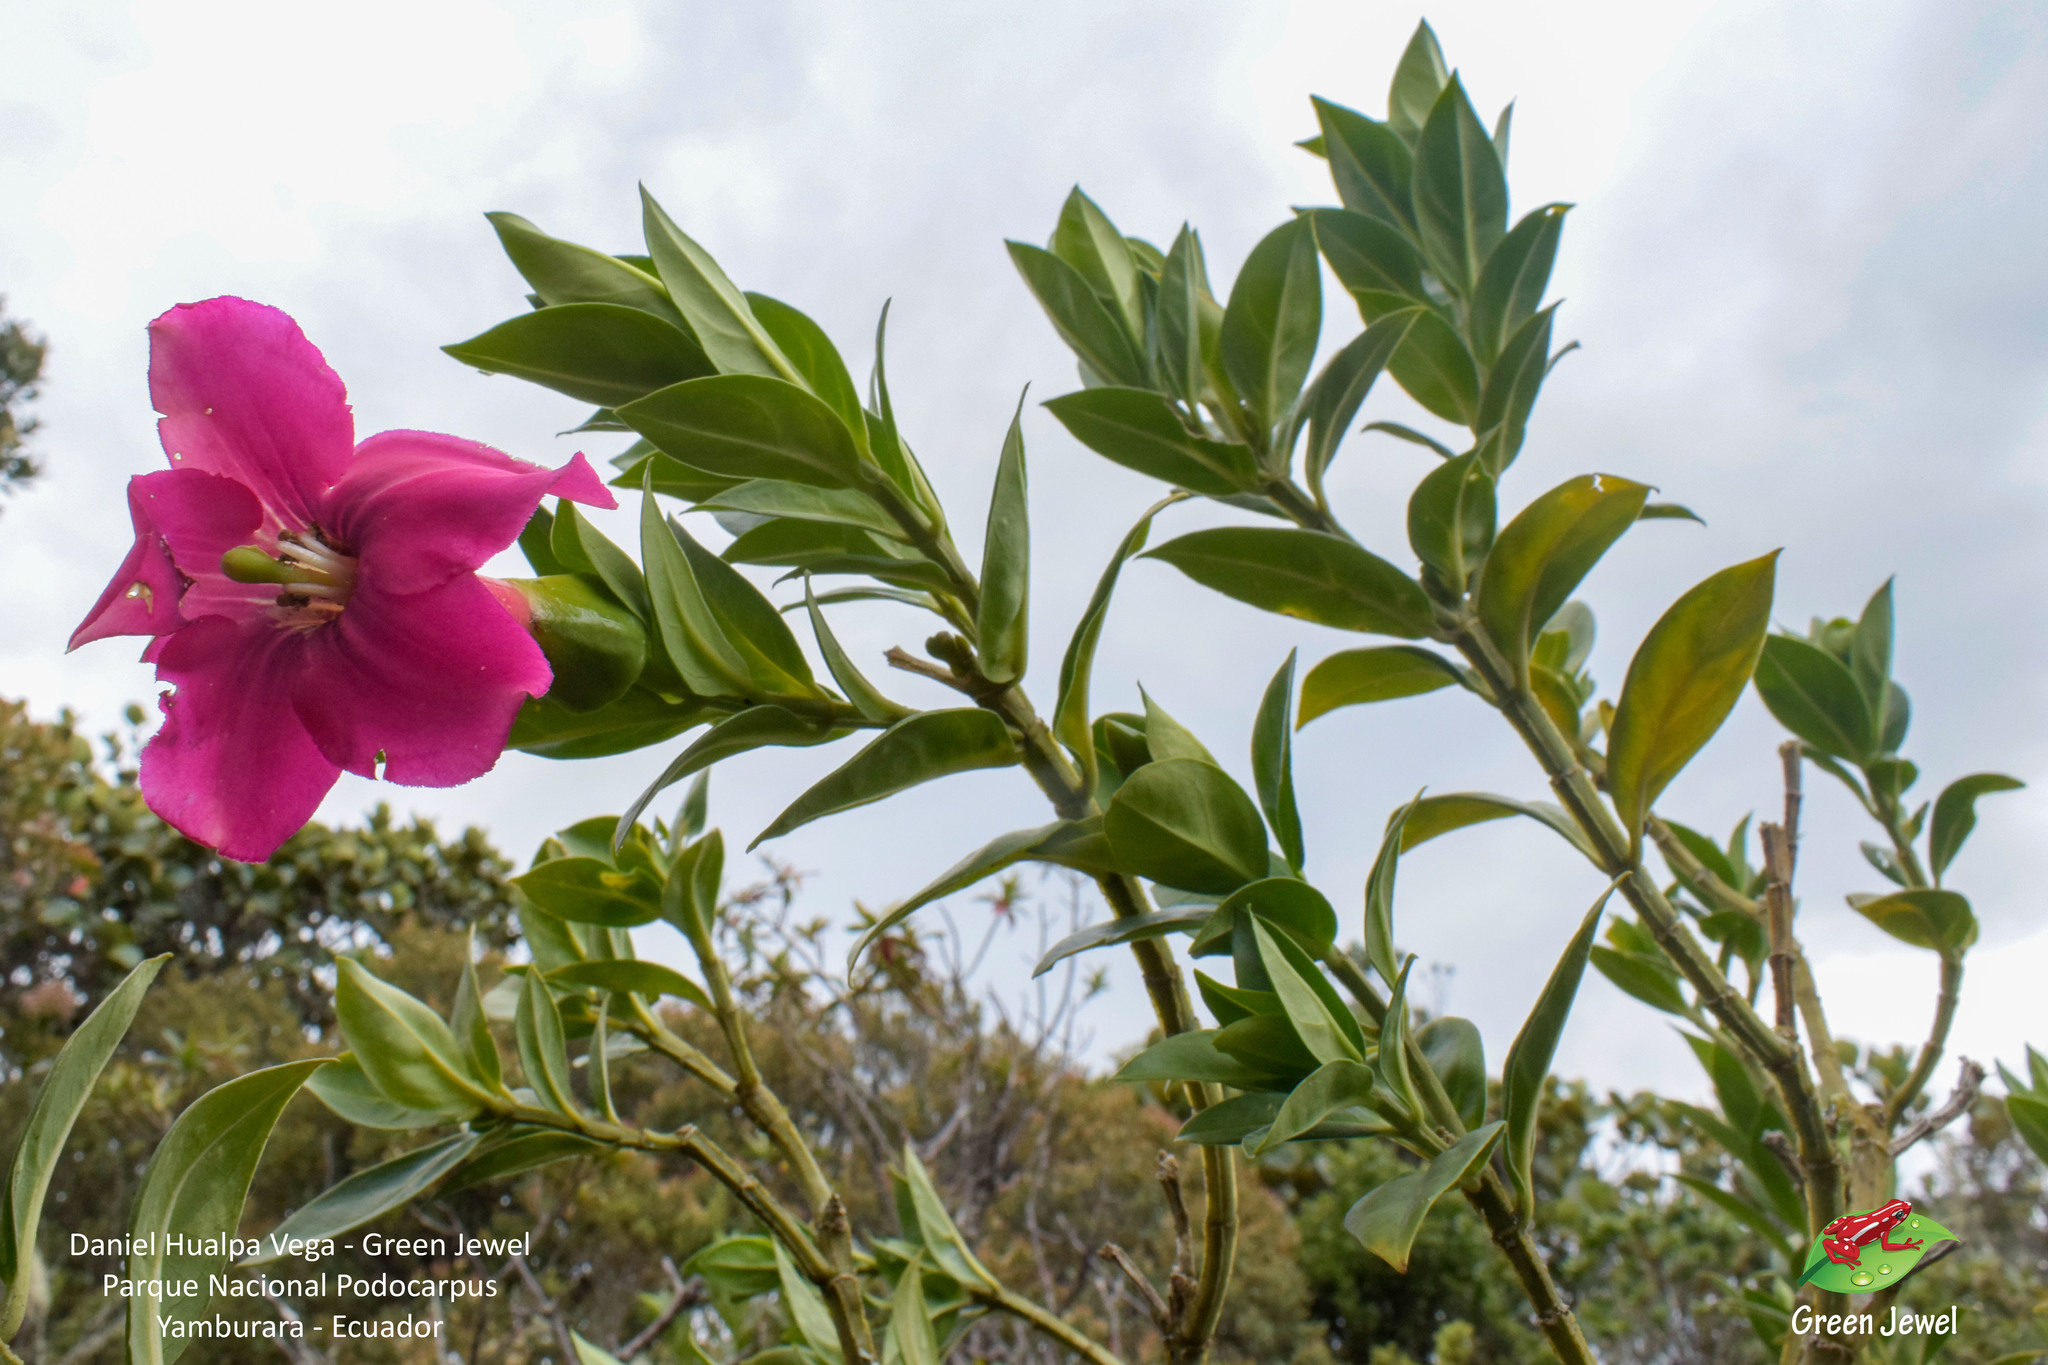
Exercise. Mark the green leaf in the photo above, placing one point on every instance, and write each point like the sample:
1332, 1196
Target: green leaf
1374, 261
595, 646
344, 1088
543, 1050
1955, 815
1002, 623
747, 426
1461, 194
604, 353
1269, 1045
1542, 556
1669, 511
1510, 392
1814, 695
1396, 1088
756, 727
1232, 1003
1273, 321
1186, 823
1379, 894
1179, 919
1528, 1061
1371, 166
581, 548
1070, 843
1434, 815
1320, 1019
805, 1307
1684, 680
668, 475
1870, 651
1233, 1120
1451, 518
1335, 1085
1755, 1217
749, 622
1333, 400
631, 976
406, 1050
718, 313
1353, 677
195, 1186
1510, 288
1166, 737
1419, 78
1286, 902
915, 750
1833, 1277
803, 502
1191, 1056
563, 273
1183, 284
941, 1235
816, 360
1457, 1054
1304, 574
2029, 1115
1088, 327
865, 697
1437, 370
691, 633
1412, 436
589, 1353
1387, 1220
69, 1084
1086, 240
365, 1196
529, 1150
1071, 722
1653, 983
910, 1324
1923, 917
1273, 763
1140, 430
591, 891
533, 543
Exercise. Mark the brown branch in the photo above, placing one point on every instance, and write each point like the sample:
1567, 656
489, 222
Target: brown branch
1161, 1313
1968, 1082
686, 1294
1180, 1285
549, 1309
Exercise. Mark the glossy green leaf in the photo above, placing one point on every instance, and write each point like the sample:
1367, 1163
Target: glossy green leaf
1179, 919
2029, 1115
1139, 430
815, 359
1371, 166
1870, 651
1379, 894
1510, 391
1653, 983
1186, 823
1177, 324
1081, 318
604, 353
590, 1353
66, 1087
1511, 286
805, 1307
803, 502
344, 1088
1669, 511
365, 1196
1191, 1056
1814, 695
1923, 917
649, 979
466, 1020
581, 548
669, 476
1233, 1120
565, 273
1166, 737
1419, 78
756, 727
747, 426
1324, 1024
1435, 367
1387, 1220
1002, 624
691, 635
1457, 1054
1955, 815
1461, 194
1285, 902
1086, 240
718, 313
195, 1186
1270, 1045
1753, 1216
1528, 1062
864, 695
1304, 574
543, 1049
1341, 1083
1451, 517
1540, 558
1396, 1088
1273, 763
1353, 677
1070, 843
1684, 680
748, 621
1412, 436
1374, 261
910, 1324
1072, 725
1273, 321
915, 750
1434, 815
592, 891
408, 1051
942, 1236
595, 646
740, 1267
1333, 400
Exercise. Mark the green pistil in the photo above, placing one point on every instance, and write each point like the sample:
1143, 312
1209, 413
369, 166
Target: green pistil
249, 564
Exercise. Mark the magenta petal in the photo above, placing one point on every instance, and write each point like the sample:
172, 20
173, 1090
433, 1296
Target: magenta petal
233, 766
430, 680
142, 597
201, 517
243, 394
417, 509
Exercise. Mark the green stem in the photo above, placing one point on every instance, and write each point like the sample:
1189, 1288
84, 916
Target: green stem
1937, 1041
1045, 1320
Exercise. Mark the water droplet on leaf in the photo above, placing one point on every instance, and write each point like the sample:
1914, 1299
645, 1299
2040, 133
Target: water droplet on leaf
1862, 1277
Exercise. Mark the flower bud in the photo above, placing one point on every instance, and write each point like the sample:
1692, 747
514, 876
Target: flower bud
595, 646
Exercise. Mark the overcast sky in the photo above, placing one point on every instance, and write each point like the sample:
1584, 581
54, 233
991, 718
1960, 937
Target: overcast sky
1805, 267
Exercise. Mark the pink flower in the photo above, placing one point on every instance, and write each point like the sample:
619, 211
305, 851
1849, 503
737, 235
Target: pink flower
314, 602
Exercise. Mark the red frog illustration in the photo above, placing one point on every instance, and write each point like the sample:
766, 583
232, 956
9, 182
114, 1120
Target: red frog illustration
1844, 1239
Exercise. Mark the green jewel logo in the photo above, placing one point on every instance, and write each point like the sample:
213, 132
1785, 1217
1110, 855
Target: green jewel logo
1861, 1253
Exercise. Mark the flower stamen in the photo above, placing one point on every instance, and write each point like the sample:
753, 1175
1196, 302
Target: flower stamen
317, 579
